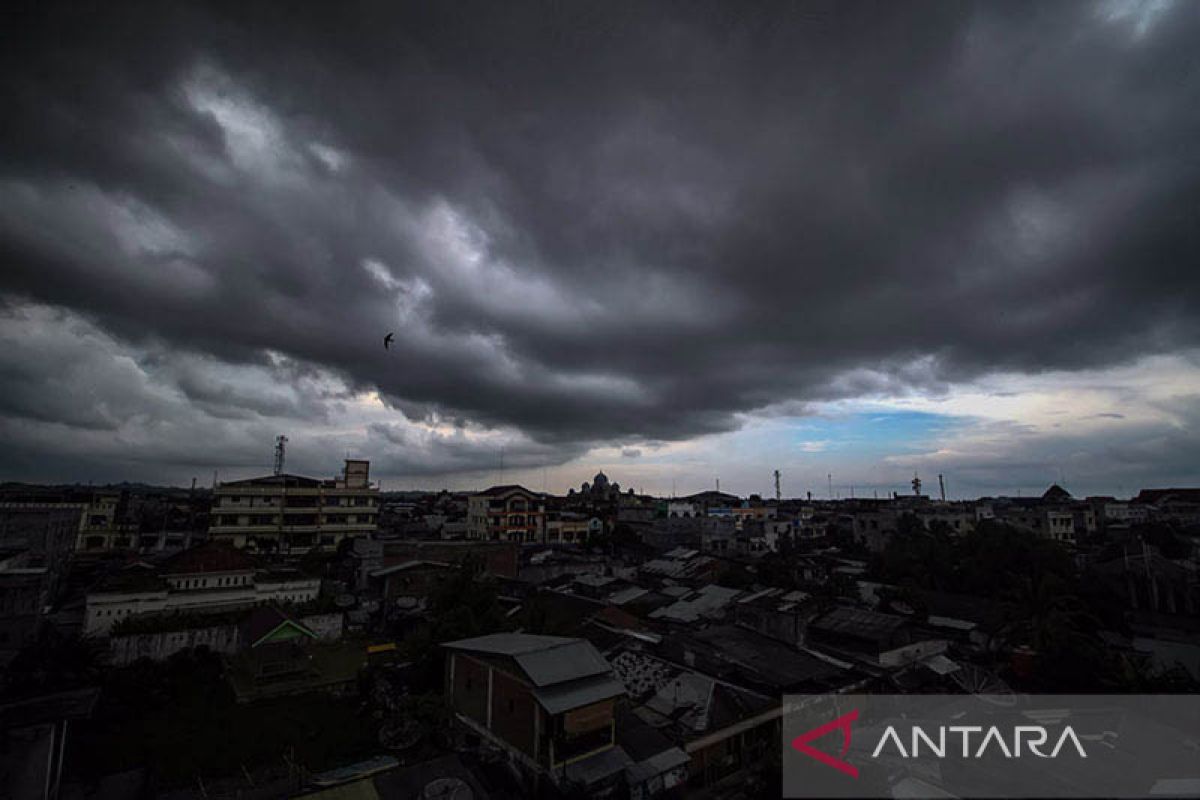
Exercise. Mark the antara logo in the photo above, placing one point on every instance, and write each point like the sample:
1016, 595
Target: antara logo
1033, 738
842, 723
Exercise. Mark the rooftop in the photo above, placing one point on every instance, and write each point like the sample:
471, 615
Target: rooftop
208, 557
859, 623
508, 488
545, 660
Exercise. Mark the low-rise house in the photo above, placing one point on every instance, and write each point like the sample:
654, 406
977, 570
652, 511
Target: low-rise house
778, 613
568, 527
717, 728
681, 564
36, 540
502, 559
546, 701
708, 603
848, 629
416, 579
279, 655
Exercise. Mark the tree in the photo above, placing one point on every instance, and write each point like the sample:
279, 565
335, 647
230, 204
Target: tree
53, 663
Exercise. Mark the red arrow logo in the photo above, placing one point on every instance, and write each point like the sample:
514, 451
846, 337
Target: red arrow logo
842, 723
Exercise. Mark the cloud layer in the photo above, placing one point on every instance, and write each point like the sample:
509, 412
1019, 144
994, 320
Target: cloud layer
588, 227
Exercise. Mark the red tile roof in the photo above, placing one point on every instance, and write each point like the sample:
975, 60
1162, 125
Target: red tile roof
209, 557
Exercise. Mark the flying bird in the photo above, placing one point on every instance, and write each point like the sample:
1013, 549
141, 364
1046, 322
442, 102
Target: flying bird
387, 340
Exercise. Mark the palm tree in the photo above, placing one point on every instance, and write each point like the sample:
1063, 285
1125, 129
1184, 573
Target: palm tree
1043, 613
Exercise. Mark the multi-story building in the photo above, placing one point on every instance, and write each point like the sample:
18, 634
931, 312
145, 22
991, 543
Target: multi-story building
1118, 513
35, 543
507, 513
292, 514
567, 527
211, 578
1181, 506
1056, 524
100, 527
547, 701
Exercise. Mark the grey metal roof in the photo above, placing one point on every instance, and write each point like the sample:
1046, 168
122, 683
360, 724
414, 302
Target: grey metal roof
404, 565
706, 602
627, 595
508, 644
545, 660
600, 766
859, 622
567, 662
656, 765
574, 694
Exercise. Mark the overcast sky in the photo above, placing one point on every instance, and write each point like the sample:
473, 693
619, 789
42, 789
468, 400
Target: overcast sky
676, 241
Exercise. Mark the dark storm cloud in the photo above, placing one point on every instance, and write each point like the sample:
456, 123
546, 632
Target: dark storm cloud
592, 224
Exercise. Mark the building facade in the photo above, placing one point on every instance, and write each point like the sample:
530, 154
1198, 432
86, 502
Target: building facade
294, 514
547, 701
36, 540
208, 579
507, 514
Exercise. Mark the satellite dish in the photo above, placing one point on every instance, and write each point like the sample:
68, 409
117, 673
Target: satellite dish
447, 789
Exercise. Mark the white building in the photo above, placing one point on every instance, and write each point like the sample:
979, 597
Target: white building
206, 579
682, 508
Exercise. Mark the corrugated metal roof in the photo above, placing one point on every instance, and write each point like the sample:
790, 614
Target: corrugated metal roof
940, 664
656, 765
627, 595
564, 663
508, 644
708, 601
859, 622
574, 694
600, 766
545, 660
404, 565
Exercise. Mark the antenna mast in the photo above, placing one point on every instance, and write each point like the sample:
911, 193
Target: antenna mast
942, 486
280, 446
778, 493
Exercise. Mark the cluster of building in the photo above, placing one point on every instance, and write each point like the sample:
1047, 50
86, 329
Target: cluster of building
642, 649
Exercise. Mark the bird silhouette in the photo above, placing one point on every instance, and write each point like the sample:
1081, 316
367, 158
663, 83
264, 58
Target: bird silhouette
387, 340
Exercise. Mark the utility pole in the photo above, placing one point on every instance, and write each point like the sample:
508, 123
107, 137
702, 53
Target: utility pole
942, 486
778, 493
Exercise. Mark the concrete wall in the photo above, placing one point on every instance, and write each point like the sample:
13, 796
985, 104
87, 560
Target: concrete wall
468, 687
327, 627
513, 712
161, 645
